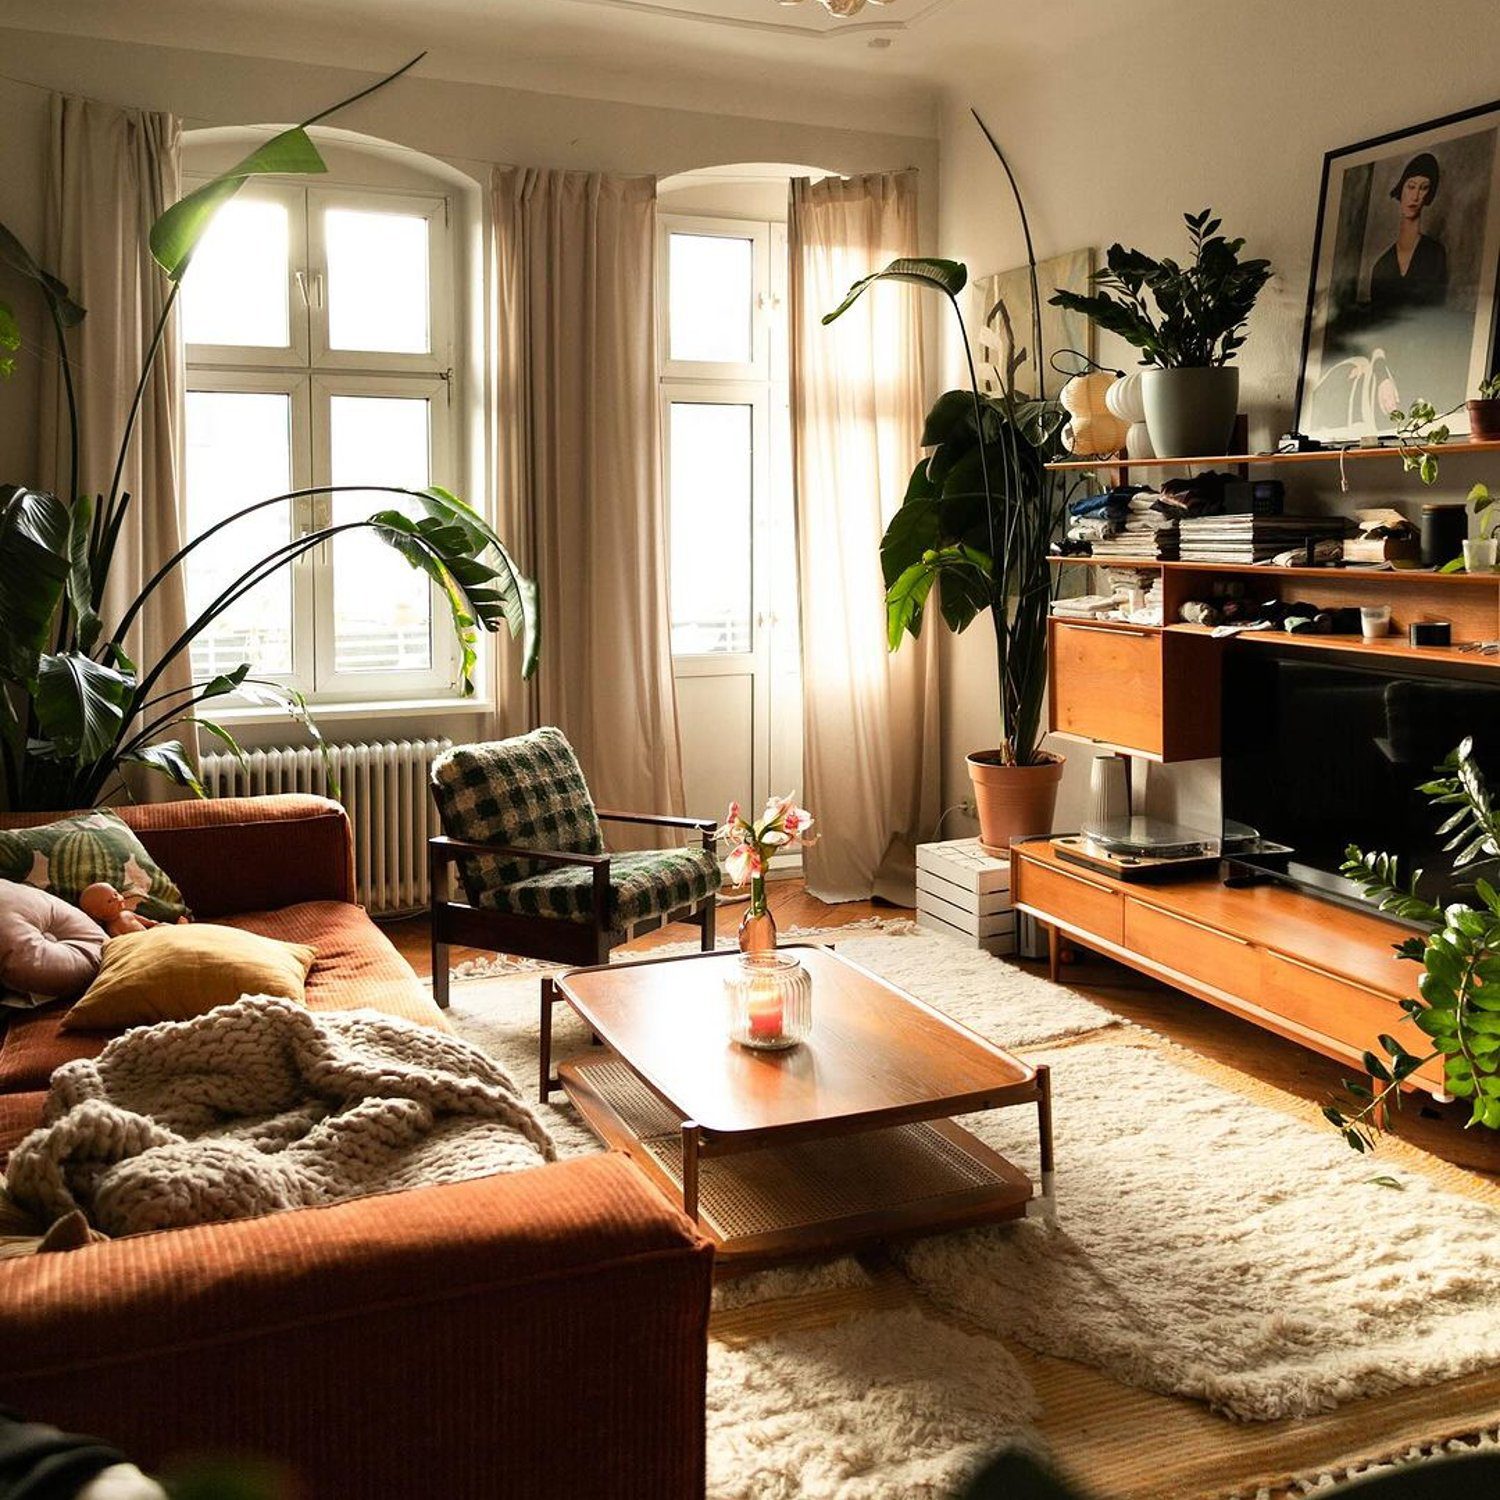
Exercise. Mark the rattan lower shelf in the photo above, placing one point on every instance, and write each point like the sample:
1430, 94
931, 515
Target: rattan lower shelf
779, 1202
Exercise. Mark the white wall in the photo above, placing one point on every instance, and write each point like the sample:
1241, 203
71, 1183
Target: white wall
1113, 135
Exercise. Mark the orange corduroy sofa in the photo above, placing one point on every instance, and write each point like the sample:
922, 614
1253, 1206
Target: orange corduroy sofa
538, 1334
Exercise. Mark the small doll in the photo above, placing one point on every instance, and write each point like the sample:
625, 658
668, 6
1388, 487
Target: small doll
114, 912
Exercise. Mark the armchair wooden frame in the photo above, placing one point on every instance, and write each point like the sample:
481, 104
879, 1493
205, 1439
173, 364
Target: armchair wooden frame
572, 943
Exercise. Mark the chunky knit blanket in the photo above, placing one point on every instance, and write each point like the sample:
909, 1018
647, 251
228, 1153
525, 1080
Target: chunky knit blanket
261, 1105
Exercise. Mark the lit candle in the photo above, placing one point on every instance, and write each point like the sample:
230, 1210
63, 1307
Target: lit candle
764, 1005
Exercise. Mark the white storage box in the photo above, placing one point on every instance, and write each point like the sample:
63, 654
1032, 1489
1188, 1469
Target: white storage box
965, 893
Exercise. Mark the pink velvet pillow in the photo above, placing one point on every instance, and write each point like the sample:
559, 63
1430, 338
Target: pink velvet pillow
48, 949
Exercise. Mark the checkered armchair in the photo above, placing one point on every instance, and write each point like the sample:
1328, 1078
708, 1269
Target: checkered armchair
523, 831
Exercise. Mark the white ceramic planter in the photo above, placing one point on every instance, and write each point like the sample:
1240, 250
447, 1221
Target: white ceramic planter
1190, 413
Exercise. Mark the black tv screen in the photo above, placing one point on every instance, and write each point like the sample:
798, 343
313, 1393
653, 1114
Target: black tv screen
1324, 748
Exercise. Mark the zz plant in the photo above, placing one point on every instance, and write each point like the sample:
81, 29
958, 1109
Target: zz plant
1194, 314
1457, 1007
74, 708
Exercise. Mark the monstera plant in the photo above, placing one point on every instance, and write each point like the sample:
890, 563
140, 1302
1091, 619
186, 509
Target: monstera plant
976, 525
75, 710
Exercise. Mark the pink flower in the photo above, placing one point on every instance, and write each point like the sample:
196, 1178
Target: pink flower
733, 815
798, 820
744, 861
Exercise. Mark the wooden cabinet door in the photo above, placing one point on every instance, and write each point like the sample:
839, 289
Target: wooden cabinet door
1106, 683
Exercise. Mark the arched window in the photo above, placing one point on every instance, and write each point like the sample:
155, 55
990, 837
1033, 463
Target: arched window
322, 320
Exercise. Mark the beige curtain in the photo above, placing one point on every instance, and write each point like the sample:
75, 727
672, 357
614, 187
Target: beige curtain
871, 728
579, 482
111, 173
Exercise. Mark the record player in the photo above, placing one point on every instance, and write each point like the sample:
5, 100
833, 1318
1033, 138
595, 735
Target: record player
1142, 848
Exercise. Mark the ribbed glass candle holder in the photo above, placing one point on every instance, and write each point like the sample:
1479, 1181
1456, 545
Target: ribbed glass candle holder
769, 998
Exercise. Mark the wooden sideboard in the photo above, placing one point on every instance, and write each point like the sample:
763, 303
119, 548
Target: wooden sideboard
1307, 969
1154, 691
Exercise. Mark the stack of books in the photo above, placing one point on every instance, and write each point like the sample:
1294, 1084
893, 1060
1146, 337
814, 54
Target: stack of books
1251, 539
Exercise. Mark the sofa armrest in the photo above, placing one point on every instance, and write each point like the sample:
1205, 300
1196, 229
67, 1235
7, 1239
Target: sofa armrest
540, 1333
239, 854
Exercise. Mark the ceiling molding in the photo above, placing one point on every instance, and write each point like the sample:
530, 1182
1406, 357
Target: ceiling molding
820, 33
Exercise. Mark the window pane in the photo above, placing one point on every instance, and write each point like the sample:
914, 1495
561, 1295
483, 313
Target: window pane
382, 607
239, 450
711, 456
235, 291
712, 283
377, 281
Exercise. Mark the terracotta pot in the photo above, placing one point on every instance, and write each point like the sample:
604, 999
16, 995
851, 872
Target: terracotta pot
1013, 801
1484, 421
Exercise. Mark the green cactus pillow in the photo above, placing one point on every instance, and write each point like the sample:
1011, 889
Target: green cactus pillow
66, 856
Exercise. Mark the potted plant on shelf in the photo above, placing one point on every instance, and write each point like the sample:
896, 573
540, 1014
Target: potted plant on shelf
1479, 552
1484, 411
75, 710
977, 523
1191, 389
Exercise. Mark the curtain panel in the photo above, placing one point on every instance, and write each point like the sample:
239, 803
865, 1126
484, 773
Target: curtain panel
111, 173
579, 481
871, 718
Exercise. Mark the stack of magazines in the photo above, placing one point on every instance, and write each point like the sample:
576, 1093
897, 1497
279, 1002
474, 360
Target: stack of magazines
1145, 535
1251, 539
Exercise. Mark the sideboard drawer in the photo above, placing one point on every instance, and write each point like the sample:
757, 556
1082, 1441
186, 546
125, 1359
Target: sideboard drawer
1192, 948
1340, 1009
1106, 683
1075, 899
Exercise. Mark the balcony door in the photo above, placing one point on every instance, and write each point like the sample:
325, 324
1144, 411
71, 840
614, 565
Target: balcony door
726, 452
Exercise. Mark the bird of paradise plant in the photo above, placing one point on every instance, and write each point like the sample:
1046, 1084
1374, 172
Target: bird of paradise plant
74, 708
781, 827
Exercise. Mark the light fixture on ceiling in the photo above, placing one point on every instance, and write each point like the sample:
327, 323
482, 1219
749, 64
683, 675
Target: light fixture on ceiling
843, 9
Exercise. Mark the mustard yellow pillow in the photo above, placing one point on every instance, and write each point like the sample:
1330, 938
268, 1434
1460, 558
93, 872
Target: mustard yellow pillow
175, 973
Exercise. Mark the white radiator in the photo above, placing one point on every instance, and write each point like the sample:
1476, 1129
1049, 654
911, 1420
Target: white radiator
383, 786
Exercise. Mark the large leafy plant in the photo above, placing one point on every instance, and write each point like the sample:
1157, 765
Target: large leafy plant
74, 708
1457, 1007
1194, 314
980, 510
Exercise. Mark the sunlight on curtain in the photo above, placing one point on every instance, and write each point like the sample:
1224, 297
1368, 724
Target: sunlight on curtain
873, 745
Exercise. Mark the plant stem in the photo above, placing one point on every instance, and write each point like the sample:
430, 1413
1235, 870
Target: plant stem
158, 333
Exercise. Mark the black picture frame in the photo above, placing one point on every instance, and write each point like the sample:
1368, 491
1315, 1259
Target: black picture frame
1378, 332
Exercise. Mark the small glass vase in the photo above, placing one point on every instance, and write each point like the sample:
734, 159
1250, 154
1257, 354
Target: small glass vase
1479, 554
770, 1001
757, 926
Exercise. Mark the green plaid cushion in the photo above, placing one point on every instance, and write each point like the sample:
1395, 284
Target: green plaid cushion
649, 883
527, 792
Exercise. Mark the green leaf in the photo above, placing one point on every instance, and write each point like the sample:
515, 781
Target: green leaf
34, 560
904, 600
1394, 1183
15, 255
80, 582
176, 234
946, 276
10, 340
171, 760
80, 705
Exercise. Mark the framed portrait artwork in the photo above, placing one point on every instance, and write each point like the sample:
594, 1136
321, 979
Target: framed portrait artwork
1401, 305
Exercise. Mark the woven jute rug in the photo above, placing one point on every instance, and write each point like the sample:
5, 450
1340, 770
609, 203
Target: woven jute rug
892, 1377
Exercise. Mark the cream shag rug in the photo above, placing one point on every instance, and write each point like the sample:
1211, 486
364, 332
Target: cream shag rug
1207, 1246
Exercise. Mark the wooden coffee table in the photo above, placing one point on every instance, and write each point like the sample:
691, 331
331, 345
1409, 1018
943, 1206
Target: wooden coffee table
841, 1141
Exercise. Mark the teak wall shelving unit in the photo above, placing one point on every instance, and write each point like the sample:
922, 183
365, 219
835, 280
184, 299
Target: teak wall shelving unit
1294, 964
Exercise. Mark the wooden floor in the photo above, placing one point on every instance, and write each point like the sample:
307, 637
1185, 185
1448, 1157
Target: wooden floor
1183, 1019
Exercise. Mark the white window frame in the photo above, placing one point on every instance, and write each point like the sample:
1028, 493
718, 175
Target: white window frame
295, 389
309, 372
726, 393
441, 676
758, 233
